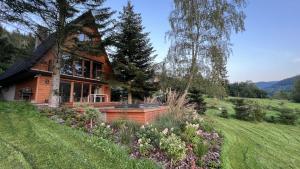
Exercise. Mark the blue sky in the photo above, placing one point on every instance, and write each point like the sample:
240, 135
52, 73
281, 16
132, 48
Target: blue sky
269, 49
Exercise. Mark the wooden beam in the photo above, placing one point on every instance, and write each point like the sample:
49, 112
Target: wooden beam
72, 92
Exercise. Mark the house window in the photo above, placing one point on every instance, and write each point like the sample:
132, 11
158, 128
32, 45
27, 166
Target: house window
85, 91
67, 64
83, 37
87, 69
64, 91
77, 91
50, 65
97, 70
78, 67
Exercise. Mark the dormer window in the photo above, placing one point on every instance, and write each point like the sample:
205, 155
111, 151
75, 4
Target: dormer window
83, 37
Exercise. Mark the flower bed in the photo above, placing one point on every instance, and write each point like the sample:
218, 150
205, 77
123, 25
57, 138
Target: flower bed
194, 145
186, 143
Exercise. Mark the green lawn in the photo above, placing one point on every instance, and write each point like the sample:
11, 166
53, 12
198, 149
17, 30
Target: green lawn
256, 145
28, 140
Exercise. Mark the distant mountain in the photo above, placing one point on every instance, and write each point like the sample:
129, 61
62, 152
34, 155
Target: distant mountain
264, 85
274, 86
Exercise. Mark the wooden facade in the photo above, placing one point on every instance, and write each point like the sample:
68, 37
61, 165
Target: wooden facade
84, 76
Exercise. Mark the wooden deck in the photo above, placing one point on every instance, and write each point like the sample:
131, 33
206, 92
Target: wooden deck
139, 115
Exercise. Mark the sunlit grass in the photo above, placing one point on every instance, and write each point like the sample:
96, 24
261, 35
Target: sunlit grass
257, 145
28, 140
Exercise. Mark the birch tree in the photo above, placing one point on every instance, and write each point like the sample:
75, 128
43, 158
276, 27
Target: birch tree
200, 37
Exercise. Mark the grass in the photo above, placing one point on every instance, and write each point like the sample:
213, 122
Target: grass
28, 140
257, 145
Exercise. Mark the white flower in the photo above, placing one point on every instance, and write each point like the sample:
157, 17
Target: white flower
108, 126
172, 129
102, 124
142, 127
165, 131
139, 140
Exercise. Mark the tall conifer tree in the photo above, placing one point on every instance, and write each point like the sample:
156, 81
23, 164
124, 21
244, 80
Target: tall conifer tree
133, 60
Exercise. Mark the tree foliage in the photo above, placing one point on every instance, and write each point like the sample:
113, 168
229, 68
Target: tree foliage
133, 60
246, 89
296, 91
200, 35
14, 46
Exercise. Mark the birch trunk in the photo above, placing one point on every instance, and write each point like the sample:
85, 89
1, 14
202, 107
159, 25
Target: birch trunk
54, 95
129, 97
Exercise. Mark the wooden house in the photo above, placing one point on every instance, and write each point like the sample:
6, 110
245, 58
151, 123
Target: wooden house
84, 78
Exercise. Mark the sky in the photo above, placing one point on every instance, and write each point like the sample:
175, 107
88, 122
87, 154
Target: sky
269, 48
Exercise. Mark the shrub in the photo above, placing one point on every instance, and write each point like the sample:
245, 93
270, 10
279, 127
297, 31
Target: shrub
145, 146
271, 119
169, 121
207, 125
173, 146
249, 111
132, 125
151, 133
190, 133
224, 113
287, 116
196, 97
201, 148
103, 131
91, 115
126, 130
177, 104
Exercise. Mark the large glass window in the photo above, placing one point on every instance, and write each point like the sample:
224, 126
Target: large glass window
87, 69
64, 91
78, 67
97, 70
67, 64
77, 91
85, 91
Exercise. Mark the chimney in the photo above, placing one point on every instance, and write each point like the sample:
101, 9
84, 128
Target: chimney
41, 35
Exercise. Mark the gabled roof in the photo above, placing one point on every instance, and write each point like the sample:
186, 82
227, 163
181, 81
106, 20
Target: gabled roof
40, 51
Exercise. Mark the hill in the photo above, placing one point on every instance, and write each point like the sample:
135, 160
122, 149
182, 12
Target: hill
256, 145
282, 85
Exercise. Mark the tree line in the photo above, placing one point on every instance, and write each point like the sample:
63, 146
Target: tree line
246, 89
14, 46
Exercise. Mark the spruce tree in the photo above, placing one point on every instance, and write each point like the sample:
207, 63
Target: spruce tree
133, 60
296, 91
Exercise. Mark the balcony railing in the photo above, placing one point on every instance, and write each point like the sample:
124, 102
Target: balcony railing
97, 98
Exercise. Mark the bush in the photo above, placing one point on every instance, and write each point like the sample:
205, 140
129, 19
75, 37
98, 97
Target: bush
196, 97
173, 146
103, 131
249, 111
271, 119
224, 113
145, 146
288, 116
151, 133
118, 124
92, 115
190, 133
126, 130
169, 121
201, 148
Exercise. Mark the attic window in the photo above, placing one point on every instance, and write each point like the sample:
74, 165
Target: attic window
83, 37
